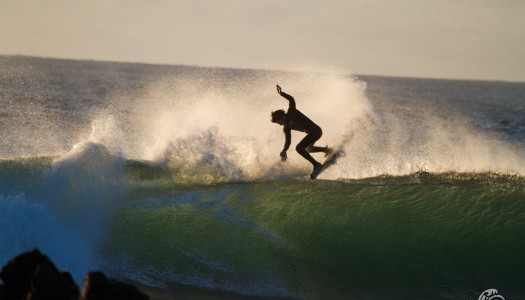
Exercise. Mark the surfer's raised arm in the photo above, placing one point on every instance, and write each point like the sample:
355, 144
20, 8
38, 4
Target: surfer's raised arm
288, 97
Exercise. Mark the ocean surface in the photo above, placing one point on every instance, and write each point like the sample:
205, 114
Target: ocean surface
170, 177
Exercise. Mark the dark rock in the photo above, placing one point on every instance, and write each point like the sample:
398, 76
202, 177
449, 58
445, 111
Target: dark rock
98, 287
17, 274
33, 276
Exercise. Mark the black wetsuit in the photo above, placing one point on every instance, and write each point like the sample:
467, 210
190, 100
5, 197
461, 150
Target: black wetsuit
295, 120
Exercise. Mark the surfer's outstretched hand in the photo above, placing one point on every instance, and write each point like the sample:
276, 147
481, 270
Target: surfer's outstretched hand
278, 89
284, 157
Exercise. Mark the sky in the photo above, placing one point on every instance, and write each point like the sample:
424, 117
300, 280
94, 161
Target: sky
460, 39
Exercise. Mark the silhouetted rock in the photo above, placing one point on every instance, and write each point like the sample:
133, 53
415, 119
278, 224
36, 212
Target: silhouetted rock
98, 287
32, 276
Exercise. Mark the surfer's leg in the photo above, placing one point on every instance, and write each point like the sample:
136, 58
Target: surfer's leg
314, 149
308, 142
302, 151
326, 150
314, 137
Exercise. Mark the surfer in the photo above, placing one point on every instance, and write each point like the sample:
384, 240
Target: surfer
293, 119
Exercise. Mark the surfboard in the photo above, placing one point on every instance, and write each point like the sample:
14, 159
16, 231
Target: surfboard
329, 161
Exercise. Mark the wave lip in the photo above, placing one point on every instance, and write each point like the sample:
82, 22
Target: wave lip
454, 178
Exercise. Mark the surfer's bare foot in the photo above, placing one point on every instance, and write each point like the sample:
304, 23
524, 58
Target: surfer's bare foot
327, 151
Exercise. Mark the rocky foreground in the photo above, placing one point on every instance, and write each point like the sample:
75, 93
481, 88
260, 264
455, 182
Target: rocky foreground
33, 276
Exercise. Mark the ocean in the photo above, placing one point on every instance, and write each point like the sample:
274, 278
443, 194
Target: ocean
169, 177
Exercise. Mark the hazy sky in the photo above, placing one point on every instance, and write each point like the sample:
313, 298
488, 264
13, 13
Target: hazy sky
476, 39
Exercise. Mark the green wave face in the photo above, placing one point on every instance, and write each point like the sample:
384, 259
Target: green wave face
421, 236
322, 239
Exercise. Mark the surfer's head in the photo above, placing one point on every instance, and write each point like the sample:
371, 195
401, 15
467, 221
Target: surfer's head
279, 117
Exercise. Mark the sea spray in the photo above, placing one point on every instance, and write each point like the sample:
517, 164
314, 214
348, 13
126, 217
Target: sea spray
410, 135
238, 115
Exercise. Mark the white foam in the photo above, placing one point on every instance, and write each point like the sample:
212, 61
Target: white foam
221, 133
400, 146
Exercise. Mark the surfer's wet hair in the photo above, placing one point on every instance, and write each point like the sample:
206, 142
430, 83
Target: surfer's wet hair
278, 115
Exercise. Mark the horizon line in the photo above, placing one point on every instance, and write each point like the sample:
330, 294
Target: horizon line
253, 69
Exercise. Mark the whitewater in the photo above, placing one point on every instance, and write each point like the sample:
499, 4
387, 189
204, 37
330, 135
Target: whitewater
170, 177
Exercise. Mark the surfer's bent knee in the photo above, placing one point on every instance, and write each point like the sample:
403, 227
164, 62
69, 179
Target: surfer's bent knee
316, 134
309, 140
